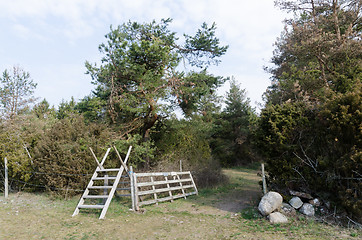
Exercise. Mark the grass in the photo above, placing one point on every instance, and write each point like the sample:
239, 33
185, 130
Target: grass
223, 212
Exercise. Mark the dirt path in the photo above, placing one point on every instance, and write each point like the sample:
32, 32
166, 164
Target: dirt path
245, 193
241, 192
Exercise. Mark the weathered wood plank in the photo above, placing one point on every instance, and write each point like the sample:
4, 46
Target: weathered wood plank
197, 192
155, 174
183, 190
154, 189
160, 190
105, 191
91, 206
96, 196
132, 187
169, 190
120, 159
137, 206
166, 199
104, 178
100, 187
146, 184
95, 158
108, 170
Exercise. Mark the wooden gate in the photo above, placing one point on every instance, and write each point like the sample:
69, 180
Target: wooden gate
152, 188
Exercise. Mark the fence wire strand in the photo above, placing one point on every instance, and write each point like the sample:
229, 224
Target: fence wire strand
60, 174
51, 188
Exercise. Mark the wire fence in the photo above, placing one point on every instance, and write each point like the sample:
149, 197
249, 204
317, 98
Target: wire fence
25, 183
60, 174
46, 187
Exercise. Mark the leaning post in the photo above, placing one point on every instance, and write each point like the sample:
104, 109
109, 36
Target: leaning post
263, 178
6, 179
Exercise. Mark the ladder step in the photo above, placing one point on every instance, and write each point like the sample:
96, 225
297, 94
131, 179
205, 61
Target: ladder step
96, 196
91, 206
100, 187
103, 178
108, 170
126, 188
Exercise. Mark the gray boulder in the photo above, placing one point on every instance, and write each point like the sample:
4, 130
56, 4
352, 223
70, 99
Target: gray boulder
286, 209
270, 202
315, 202
307, 209
295, 202
277, 217
300, 194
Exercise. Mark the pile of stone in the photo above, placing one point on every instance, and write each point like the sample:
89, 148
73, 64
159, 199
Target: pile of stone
273, 207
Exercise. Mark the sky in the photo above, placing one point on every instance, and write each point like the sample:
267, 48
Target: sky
52, 39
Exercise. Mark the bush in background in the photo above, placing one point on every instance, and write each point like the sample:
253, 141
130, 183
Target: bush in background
63, 154
187, 141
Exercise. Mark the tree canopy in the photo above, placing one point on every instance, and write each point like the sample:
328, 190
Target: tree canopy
319, 52
140, 73
310, 129
16, 89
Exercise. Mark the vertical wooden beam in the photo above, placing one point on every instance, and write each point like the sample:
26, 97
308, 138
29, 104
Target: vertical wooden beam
137, 207
263, 178
105, 191
180, 165
153, 188
168, 186
132, 188
6, 179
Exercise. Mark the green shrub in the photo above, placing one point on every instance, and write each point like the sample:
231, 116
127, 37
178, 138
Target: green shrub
187, 141
63, 154
316, 148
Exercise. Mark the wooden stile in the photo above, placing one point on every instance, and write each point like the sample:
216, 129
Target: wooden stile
107, 196
145, 188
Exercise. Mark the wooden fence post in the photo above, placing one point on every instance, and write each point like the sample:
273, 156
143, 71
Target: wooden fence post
132, 188
105, 191
6, 179
263, 178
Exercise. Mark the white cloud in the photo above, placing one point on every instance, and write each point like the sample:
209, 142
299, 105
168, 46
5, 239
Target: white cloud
248, 27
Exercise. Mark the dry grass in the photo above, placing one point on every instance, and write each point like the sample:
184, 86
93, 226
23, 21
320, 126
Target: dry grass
226, 212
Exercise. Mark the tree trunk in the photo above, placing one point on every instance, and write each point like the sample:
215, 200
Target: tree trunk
335, 19
150, 121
